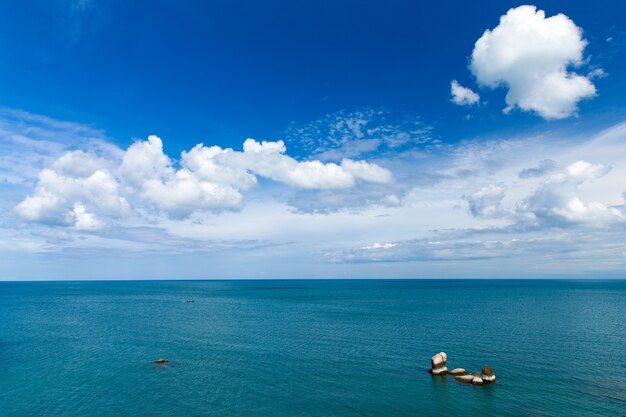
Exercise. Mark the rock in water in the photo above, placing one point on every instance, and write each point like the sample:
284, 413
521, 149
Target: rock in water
477, 380
438, 359
458, 371
488, 376
438, 363
464, 378
160, 361
439, 371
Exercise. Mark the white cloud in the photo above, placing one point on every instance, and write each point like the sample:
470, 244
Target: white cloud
463, 96
597, 73
144, 161
85, 220
184, 193
210, 178
486, 202
79, 164
531, 55
61, 196
150, 173
214, 164
380, 246
268, 159
365, 171
555, 201
558, 200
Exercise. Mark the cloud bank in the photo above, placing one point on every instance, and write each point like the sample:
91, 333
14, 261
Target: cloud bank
539, 205
80, 186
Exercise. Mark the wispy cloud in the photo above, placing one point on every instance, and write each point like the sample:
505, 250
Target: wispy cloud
361, 133
29, 142
76, 16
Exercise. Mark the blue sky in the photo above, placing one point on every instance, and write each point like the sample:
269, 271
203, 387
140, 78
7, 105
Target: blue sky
419, 139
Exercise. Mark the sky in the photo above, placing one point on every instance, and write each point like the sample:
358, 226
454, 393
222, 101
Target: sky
313, 139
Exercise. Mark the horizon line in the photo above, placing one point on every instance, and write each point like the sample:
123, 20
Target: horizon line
310, 279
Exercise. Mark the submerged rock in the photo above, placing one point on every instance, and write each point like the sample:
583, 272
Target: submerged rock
488, 376
458, 371
438, 363
160, 361
464, 378
476, 379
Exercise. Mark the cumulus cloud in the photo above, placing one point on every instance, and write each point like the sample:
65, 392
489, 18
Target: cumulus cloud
217, 165
183, 193
554, 202
79, 186
149, 172
79, 164
557, 200
84, 220
64, 191
268, 159
463, 96
531, 55
144, 161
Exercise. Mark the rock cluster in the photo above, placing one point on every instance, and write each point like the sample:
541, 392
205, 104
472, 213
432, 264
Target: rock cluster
438, 367
438, 363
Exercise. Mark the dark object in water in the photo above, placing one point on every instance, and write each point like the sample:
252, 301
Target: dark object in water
488, 376
160, 361
190, 301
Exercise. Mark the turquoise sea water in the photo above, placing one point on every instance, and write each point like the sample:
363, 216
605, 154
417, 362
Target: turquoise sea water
311, 348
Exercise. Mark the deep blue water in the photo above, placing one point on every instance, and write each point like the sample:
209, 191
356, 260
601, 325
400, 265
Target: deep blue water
319, 348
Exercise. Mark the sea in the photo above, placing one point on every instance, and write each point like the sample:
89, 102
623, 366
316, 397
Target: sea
311, 348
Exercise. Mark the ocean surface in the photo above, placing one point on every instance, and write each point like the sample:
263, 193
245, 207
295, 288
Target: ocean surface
311, 348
